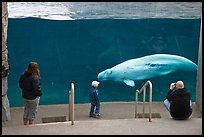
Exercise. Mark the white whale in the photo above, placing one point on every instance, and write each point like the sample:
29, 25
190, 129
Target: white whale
146, 67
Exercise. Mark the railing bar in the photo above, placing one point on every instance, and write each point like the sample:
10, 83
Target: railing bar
143, 86
150, 102
71, 104
144, 94
136, 103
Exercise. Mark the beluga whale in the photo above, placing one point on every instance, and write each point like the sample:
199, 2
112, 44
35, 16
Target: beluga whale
147, 67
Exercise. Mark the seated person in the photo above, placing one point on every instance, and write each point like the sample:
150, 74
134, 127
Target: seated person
178, 102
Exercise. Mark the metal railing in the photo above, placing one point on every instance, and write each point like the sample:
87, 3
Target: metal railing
71, 104
144, 95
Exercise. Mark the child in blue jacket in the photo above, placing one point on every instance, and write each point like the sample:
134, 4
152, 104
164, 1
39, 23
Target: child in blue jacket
94, 100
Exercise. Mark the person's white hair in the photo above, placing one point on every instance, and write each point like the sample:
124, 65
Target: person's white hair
179, 84
95, 83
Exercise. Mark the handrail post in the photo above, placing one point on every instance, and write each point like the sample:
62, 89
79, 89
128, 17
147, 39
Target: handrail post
150, 101
69, 113
71, 104
144, 96
136, 102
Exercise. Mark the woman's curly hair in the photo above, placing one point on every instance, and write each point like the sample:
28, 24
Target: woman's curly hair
32, 69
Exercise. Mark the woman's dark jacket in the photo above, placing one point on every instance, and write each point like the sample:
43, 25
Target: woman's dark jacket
180, 103
31, 86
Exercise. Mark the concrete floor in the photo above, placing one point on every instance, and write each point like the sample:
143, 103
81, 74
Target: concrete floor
116, 118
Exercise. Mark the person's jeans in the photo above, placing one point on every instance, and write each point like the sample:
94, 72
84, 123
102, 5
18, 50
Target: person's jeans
167, 104
30, 108
95, 109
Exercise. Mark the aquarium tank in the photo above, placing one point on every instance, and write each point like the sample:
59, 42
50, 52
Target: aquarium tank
74, 41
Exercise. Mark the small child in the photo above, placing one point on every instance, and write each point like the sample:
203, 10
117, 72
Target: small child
94, 100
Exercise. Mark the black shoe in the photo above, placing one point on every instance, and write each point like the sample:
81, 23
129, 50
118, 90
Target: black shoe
91, 115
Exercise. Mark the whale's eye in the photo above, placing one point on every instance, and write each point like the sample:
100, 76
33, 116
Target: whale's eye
152, 65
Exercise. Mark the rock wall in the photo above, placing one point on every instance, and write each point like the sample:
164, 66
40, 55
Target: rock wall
5, 65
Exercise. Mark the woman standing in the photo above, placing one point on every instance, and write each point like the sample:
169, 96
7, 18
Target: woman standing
30, 84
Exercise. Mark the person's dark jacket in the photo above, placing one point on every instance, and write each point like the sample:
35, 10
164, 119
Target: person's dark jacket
31, 86
180, 103
94, 96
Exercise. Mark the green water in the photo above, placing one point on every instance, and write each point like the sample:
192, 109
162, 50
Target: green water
77, 50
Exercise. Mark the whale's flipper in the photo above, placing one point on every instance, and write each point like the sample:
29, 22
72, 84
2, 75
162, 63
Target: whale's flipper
129, 82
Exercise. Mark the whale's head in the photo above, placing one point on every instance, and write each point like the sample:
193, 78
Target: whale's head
105, 75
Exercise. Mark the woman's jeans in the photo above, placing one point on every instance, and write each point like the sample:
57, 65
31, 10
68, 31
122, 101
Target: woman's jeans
30, 108
95, 109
